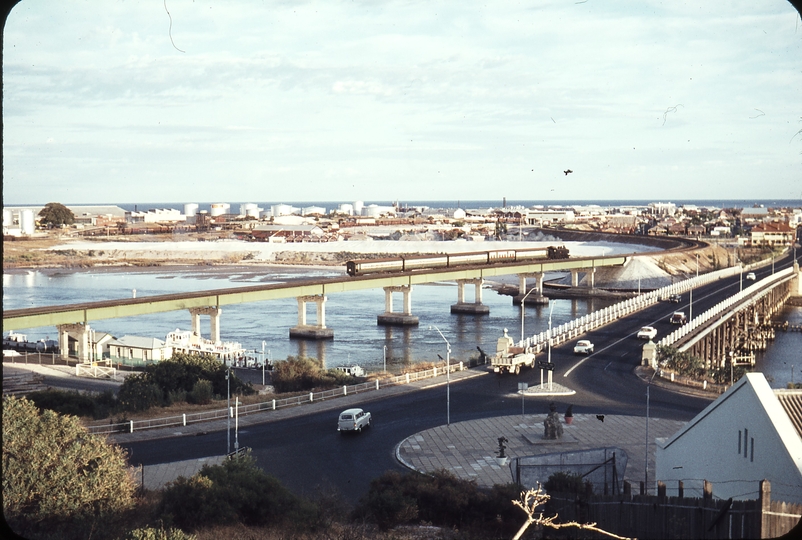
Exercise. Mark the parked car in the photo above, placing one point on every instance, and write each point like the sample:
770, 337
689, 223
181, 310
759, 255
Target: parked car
675, 298
353, 420
678, 318
751, 275
583, 346
647, 332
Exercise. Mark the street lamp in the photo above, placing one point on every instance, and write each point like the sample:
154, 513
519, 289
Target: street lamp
228, 409
646, 453
551, 309
448, 375
385, 358
264, 363
523, 308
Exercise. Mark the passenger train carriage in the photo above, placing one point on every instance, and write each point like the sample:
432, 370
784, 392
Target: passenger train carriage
406, 263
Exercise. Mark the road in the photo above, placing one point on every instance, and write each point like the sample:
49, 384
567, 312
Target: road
307, 454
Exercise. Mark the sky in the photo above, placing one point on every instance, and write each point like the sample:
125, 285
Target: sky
221, 101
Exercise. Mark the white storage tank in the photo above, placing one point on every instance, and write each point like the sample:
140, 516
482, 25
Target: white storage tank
7, 218
218, 209
190, 210
373, 211
281, 210
346, 209
249, 209
312, 210
358, 206
27, 223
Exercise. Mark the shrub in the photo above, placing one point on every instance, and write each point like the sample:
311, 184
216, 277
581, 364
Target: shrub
58, 477
235, 492
152, 533
300, 374
139, 393
441, 499
564, 482
201, 393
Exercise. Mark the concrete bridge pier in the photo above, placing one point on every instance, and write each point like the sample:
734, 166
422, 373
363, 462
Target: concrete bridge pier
214, 315
590, 273
81, 333
533, 298
391, 318
312, 331
476, 307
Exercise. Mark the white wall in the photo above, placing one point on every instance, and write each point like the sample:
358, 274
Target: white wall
709, 451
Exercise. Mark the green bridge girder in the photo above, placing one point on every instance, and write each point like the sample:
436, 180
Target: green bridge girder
18, 319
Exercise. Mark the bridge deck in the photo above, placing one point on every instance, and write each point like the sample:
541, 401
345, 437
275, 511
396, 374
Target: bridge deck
18, 319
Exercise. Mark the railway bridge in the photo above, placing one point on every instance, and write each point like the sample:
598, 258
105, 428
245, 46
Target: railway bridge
73, 321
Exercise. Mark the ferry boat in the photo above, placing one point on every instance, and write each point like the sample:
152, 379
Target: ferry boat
230, 352
16, 341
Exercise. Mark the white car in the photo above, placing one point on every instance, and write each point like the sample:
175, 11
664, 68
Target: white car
751, 275
647, 332
353, 420
583, 346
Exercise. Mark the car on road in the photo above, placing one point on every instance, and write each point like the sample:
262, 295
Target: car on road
678, 317
647, 332
353, 420
583, 346
751, 275
675, 298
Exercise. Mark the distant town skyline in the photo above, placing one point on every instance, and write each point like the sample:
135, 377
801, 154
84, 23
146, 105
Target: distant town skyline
400, 101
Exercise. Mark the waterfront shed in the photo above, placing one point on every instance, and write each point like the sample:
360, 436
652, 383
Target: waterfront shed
137, 351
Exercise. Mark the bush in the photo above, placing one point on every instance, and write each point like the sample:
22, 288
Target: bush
201, 393
235, 492
563, 482
441, 499
139, 393
59, 480
301, 374
74, 403
151, 533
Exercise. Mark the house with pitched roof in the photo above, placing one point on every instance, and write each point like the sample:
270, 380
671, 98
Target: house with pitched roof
137, 350
750, 433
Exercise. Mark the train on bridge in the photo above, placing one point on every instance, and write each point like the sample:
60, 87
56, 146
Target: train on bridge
405, 263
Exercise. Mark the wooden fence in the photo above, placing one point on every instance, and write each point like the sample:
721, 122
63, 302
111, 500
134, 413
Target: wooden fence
649, 516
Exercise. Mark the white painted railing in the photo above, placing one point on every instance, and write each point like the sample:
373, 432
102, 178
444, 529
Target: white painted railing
572, 329
753, 292
272, 405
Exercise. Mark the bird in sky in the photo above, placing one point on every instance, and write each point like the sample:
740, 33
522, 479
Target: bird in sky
567, 172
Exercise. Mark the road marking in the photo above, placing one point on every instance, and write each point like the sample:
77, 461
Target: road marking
608, 365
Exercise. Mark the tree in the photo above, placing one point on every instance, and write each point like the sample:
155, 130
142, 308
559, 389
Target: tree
55, 215
58, 477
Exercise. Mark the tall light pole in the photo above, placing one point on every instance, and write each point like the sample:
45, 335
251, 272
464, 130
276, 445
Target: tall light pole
523, 308
551, 309
385, 358
228, 409
448, 375
646, 456
264, 363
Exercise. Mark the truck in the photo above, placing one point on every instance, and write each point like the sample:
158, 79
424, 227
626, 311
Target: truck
508, 358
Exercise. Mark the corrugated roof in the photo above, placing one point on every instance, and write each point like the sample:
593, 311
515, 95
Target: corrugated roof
791, 401
138, 342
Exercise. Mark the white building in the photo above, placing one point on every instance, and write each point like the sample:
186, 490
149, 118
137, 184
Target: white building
283, 210
136, 350
156, 215
750, 433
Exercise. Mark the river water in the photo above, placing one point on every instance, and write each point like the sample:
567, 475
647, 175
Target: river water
357, 337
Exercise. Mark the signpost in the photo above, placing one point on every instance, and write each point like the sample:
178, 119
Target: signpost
522, 386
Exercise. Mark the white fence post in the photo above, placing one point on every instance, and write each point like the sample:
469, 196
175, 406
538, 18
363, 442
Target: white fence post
274, 404
311, 397
185, 418
132, 426
377, 384
345, 390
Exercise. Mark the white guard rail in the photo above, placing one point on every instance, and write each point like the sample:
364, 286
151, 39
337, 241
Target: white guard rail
753, 292
184, 419
591, 321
